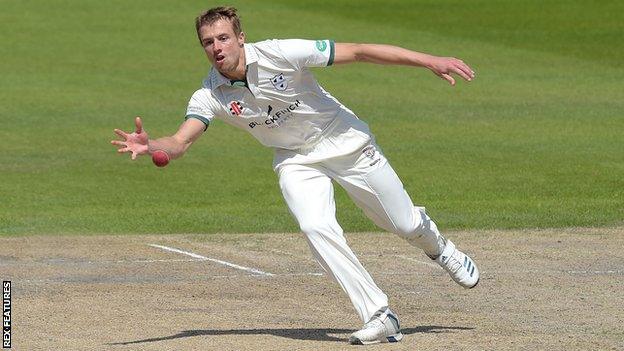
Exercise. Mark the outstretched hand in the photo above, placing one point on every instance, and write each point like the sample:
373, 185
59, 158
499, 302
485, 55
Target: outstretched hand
135, 142
444, 66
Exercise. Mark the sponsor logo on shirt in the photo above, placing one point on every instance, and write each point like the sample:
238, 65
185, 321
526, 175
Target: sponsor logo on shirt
321, 45
236, 108
279, 82
278, 118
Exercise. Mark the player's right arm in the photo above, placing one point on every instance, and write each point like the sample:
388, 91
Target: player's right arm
138, 142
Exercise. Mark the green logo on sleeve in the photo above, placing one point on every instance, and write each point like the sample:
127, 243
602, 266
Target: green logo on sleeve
321, 45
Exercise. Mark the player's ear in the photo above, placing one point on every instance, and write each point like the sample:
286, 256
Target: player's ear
241, 39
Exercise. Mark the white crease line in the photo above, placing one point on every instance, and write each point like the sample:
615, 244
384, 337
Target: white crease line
153, 261
314, 274
232, 265
419, 261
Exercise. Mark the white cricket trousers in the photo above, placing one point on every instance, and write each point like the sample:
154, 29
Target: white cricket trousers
373, 185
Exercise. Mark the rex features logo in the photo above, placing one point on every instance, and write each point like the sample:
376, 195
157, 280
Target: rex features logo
276, 119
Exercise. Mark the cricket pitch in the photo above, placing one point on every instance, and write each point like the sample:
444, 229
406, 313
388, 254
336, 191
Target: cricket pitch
556, 289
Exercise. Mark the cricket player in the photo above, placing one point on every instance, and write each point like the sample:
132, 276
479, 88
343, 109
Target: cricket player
267, 89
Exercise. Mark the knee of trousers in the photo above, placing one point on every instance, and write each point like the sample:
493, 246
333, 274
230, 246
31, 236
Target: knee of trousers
407, 226
312, 228
406, 230
325, 240
418, 227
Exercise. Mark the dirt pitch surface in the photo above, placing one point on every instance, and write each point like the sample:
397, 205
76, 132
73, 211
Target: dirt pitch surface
540, 290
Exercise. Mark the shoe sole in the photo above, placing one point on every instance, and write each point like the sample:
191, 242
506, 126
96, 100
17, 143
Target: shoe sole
392, 338
471, 287
475, 284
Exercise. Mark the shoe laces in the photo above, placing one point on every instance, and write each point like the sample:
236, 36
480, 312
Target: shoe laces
454, 262
375, 323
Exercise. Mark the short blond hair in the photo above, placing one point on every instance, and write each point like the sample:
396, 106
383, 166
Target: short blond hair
214, 14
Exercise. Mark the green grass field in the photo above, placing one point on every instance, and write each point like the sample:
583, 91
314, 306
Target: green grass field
537, 140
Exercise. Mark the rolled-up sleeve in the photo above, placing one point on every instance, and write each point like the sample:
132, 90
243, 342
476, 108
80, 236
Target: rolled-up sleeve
308, 53
201, 107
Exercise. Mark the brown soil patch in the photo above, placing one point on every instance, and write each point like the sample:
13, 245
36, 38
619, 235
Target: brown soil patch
540, 289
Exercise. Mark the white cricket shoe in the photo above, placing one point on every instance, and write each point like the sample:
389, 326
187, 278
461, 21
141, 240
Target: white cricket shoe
462, 268
382, 327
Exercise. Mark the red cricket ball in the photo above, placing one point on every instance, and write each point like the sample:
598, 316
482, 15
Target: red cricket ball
160, 158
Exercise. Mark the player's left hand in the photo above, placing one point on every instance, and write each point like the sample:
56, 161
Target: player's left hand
444, 66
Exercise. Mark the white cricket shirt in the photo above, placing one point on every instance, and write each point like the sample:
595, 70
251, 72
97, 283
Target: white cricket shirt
283, 106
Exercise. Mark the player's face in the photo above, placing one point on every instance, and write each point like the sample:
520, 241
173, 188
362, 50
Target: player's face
223, 47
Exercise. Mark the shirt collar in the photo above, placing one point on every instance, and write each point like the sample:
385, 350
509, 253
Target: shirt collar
251, 56
216, 79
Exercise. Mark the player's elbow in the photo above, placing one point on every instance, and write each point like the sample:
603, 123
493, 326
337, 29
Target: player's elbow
185, 146
181, 144
359, 52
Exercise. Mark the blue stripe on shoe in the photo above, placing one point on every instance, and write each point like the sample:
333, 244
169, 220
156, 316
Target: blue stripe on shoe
395, 319
473, 267
465, 260
469, 265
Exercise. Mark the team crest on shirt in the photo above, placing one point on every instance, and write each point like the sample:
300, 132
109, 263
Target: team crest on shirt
236, 108
279, 82
370, 152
